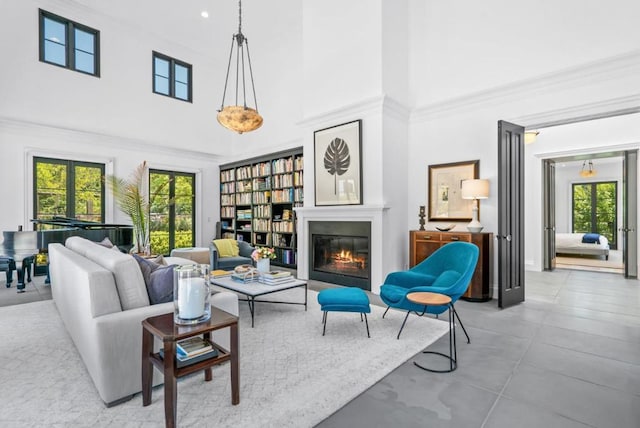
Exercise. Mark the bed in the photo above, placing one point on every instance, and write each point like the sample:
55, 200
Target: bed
571, 243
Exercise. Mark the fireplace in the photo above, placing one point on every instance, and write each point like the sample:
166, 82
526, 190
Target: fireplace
339, 252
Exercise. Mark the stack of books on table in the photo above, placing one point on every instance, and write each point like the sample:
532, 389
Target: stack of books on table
276, 277
219, 273
246, 277
192, 350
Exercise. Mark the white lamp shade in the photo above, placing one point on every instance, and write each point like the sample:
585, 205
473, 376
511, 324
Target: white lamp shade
475, 189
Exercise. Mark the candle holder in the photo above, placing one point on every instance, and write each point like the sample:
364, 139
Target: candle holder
191, 294
421, 216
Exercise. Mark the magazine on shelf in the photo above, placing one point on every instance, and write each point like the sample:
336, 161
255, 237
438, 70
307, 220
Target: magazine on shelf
185, 361
192, 346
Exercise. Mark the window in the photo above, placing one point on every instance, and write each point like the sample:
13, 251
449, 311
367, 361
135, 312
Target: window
171, 77
68, 44
68, 188
595, 209
172, 214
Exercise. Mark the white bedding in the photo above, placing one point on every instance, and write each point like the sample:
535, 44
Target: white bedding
571, 243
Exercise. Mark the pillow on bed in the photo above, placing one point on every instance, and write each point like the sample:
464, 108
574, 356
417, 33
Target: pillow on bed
591, 238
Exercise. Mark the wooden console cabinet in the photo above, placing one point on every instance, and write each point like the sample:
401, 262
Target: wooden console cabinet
424, 242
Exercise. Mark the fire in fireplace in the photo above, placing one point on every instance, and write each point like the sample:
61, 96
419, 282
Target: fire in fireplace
340, 253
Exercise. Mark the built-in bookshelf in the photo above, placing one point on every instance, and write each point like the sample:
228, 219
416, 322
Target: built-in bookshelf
257, 197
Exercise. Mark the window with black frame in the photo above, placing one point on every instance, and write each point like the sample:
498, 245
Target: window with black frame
172, 198
68, 44
171, 77
595, 209
68, 188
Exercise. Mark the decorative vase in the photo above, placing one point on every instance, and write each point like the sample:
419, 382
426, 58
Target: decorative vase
191, 294
263, 265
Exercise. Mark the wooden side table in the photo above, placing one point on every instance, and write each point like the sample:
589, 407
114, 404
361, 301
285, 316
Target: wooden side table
437, 299
163, 327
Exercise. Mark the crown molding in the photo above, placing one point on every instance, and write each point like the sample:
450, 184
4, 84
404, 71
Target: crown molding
612, 68
47, 131
381, 104
629, 104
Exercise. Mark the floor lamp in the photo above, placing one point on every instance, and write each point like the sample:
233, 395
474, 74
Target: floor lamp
475, 189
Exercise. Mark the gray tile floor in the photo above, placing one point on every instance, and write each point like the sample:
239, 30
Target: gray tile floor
569, 356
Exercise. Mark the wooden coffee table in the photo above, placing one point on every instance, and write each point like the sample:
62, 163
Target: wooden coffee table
163, 327
437, 299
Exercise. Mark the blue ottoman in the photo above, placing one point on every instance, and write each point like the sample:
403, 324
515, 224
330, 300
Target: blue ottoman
348, 299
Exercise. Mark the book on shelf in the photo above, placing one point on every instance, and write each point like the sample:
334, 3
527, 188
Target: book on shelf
185, 361
192, 346
220, 273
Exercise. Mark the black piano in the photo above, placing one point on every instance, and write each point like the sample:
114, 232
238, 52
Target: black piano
19, 249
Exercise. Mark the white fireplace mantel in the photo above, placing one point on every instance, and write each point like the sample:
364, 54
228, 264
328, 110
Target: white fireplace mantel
370, 213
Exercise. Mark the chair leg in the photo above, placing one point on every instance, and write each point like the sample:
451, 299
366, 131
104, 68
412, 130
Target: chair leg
403, 323
385, 312
324, 322
367, 324
455, 313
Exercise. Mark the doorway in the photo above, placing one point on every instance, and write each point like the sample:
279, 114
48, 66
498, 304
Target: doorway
587, 196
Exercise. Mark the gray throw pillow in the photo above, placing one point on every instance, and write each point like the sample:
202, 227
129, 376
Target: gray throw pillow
158, 279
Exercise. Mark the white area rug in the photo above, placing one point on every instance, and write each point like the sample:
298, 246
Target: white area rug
290, 374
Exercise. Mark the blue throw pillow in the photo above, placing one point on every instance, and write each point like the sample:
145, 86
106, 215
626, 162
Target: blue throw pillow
591, 238
158, 279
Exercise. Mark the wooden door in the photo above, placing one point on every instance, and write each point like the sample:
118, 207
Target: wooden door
510, 214
549, 213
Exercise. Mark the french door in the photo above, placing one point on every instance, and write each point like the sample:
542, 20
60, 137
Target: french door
629, 227
549, 212
172, 215
511, 196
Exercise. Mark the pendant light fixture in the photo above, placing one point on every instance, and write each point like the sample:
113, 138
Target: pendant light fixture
240, 118
587, 172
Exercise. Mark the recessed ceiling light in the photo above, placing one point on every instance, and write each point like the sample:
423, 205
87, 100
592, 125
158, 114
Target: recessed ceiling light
204, 14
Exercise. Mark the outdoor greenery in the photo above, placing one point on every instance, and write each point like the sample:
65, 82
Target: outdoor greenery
68, 189
171, 210
595, 209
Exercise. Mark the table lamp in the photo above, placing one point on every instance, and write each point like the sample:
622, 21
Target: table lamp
475, 189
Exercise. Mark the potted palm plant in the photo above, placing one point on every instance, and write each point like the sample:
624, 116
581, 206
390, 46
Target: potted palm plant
132, 200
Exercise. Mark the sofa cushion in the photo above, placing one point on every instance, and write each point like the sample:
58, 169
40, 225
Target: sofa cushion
227, 247
228, 263
245, 249
126, 271
158, 278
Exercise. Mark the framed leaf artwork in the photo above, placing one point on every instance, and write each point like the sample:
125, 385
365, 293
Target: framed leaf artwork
338, 164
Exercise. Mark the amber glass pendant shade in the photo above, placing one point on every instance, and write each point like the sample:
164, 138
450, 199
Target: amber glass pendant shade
239, 119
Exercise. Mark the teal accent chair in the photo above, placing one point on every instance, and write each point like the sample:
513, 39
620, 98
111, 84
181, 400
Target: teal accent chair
447, 271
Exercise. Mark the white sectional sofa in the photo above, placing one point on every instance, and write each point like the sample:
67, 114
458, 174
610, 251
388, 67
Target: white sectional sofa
102, 299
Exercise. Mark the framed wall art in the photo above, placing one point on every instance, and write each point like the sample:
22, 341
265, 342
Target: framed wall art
445, 196
338, 164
